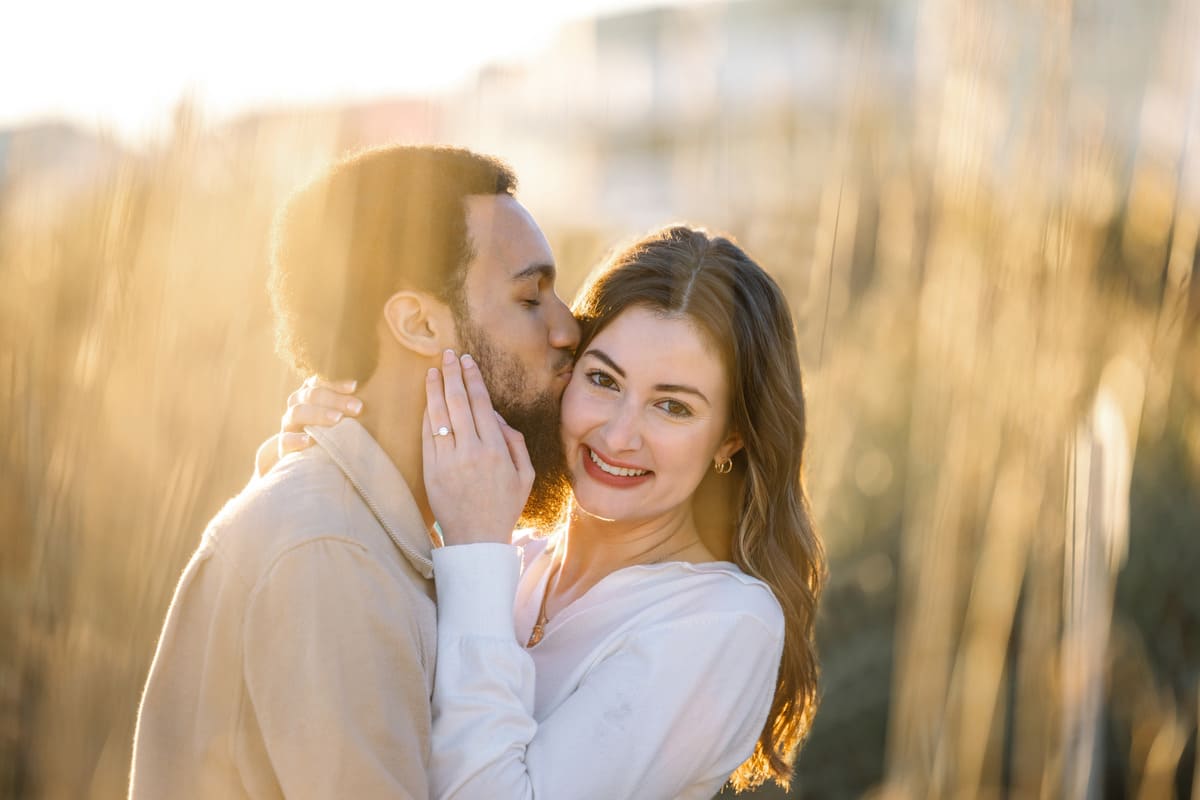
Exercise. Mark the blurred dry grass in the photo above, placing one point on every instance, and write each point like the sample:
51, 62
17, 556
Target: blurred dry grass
995, 290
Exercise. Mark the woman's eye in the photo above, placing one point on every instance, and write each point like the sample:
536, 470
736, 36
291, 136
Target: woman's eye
531, 302
675, 408
601, 379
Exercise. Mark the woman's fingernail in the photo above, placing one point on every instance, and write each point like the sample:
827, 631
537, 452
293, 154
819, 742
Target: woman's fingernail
448, 357
433, 373
354, 405
349, 386
467, 361
333, 416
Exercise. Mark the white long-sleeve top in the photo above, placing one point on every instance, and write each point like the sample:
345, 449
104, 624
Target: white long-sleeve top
654, 684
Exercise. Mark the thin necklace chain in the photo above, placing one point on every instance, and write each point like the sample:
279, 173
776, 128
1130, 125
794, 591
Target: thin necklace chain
539, 627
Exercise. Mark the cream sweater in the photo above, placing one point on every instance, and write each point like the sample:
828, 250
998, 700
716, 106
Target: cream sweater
297, 656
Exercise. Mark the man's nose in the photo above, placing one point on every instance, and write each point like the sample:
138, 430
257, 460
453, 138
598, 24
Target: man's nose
564, 329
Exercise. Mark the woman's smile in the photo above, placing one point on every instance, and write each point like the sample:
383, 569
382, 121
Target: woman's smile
611, 472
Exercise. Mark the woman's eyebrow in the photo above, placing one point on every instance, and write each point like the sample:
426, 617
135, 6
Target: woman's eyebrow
675, 388
600, 354
661, 387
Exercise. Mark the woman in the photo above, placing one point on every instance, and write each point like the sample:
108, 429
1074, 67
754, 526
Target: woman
664, 634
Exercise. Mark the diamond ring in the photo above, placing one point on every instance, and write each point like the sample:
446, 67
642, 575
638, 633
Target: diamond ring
442, 431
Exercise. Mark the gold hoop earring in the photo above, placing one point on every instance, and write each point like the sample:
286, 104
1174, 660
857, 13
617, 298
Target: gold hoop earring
724, 466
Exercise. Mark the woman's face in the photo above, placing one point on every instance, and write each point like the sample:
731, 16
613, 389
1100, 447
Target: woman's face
644, 416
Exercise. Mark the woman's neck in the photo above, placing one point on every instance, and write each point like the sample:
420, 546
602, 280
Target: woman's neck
594, 548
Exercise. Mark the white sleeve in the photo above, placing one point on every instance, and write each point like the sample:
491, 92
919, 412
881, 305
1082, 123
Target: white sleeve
674, 705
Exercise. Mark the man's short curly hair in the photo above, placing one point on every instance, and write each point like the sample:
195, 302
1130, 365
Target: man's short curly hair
374, 223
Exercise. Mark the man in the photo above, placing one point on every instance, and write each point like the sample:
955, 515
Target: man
298, 654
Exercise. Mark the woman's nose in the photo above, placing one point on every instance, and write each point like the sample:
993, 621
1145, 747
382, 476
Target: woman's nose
623, 429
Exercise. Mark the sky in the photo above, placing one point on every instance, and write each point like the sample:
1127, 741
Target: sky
123, 65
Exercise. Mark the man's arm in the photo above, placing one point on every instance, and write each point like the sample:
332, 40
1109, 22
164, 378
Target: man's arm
335, 675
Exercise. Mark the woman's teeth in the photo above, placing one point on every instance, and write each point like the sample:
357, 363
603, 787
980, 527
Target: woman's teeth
611, 470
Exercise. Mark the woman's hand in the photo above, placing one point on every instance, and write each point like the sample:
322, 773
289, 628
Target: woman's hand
477, 470
316, 402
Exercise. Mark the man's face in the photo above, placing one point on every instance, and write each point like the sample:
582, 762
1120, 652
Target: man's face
522, 335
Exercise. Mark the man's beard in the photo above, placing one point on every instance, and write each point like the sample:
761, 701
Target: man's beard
538, 419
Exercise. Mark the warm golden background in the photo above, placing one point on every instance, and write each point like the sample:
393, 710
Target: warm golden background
986, 217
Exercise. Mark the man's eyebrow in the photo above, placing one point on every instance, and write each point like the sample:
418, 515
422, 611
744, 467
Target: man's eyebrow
539, 271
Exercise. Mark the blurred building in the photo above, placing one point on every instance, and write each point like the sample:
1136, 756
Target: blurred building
52, 162
710, 112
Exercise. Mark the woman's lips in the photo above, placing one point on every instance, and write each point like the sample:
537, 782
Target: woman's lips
595, 472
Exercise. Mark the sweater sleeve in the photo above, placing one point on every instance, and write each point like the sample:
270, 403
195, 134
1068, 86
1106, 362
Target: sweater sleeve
335, 678
674, 705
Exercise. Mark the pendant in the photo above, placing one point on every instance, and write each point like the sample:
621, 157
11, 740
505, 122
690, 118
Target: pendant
536, 636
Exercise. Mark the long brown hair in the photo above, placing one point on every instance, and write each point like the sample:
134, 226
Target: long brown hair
714, 284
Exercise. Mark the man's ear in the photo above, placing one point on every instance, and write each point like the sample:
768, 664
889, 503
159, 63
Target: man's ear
420, 322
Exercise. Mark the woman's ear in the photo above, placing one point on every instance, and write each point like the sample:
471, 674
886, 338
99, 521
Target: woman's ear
420, 322
731, 445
